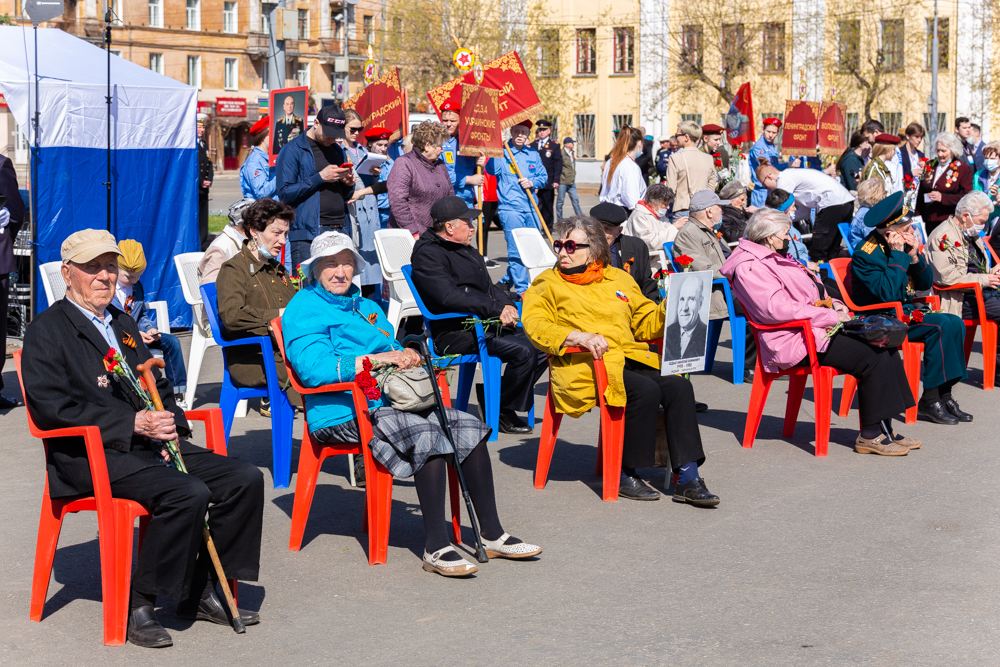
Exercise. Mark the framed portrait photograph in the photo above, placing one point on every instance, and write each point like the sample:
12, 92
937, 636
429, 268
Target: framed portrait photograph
289, 114
919, 230
685, 336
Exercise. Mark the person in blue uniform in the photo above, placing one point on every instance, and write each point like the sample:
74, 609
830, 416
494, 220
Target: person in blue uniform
551, 156
461, 168
256, 176
887, 268
515, 209
765, 149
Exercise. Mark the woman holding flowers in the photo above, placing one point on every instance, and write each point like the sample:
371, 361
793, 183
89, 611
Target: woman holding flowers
945, 180
333, 335
775, 289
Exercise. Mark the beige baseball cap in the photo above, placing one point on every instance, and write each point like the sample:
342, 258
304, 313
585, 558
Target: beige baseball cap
86, 244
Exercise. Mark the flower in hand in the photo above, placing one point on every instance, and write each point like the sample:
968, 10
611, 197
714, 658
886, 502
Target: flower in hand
366, 382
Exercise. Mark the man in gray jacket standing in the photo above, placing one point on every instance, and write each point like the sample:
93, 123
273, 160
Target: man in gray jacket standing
567, 182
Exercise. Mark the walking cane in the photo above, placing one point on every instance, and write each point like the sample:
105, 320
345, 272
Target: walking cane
146, 370
517, 170
422, 341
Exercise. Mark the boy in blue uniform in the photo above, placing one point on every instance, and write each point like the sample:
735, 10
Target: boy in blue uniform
887, 268
515, 210
765, 148
461, 168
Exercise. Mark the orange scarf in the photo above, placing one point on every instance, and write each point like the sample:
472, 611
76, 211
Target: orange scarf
593, 274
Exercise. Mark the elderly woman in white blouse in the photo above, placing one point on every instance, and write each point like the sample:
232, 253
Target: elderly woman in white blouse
622, 181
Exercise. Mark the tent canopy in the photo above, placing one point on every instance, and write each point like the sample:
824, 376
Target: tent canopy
154, 158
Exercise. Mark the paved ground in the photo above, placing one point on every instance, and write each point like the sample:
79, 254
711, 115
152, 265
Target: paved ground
846, 560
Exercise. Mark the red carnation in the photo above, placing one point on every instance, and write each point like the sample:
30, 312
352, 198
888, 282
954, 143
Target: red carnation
718, 163
906, 319
957, 244
109, 360
366, 364
683, 260
917, 316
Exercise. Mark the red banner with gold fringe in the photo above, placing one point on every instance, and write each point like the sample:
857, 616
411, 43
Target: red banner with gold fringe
801, 121
832, 123
479, 122
383, 103
518, 100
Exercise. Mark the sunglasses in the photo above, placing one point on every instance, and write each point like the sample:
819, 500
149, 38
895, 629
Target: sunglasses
570, 246
353, 130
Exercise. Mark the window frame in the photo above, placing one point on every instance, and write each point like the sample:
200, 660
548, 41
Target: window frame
549, 65
302, 23
944, 43
587, 39
194, 61
692, 56
849, 45
154, 18
192, 15
773, 48
368, 28
159, 61
234, 83
585, 131
300, 67
894, 53
231, 17
624, 50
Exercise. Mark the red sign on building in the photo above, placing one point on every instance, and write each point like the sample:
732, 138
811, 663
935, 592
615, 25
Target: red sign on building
231, 106
205, 107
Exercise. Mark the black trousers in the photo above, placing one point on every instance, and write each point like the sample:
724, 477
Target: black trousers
525, 365
300, 252
203, 216
4, 287
826, 234
490, 218
969, 310
230, 490
546, 202
646, 391
883, 392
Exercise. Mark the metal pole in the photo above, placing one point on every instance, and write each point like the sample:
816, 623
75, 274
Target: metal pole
347, 53
107, 99
33, 256
275, 50
381, 39
932, 102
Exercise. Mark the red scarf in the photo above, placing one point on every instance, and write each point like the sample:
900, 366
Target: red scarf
593, 274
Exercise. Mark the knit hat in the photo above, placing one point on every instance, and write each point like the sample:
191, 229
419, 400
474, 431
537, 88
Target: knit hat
133, 259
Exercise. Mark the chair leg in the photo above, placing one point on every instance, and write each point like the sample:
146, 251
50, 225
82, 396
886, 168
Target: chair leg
714, 331
989, 354
241, 409
456, 504
796, 387
49, 527
823, 390
970, 338
378, 490
913, 354
227, 403
282, 422
124, 527
395, 308
197, 354
442, 380
491, 393
847, 395
114, 614
758, 399
310, 462
547, 442
612, 441
466, 376
738, 330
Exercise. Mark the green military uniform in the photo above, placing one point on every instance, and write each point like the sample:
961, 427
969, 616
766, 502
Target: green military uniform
882, 275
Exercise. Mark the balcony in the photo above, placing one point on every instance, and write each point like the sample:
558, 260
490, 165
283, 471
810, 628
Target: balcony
257, 44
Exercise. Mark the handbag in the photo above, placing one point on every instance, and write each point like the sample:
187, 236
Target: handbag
409, 390
877, 330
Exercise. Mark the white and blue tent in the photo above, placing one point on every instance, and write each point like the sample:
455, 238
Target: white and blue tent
154, 159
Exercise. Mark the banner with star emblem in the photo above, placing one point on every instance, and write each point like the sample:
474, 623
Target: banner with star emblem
517, 100
383, 103
479, 122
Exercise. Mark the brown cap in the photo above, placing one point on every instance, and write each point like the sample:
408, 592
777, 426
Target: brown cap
86, 244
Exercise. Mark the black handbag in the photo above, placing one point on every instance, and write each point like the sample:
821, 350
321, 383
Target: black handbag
877, 330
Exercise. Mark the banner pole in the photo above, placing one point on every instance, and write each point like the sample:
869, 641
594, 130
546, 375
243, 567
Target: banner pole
482, 218
517, 170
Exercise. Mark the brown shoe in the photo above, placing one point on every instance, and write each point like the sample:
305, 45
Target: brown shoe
909, 443
876, 446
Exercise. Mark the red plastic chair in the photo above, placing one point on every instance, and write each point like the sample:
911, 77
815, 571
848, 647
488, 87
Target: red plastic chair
989, 333
797, 375
610, 439
378, 480
912, 352
115, 520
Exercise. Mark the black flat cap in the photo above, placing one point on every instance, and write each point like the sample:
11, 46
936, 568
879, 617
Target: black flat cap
609, 214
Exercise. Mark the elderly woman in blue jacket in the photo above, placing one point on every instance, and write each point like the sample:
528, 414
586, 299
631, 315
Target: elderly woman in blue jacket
330, 332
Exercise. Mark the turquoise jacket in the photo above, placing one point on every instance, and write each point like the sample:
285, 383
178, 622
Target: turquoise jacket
324, 335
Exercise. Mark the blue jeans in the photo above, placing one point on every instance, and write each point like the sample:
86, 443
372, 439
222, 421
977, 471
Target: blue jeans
174, 359
571, 189
517, 275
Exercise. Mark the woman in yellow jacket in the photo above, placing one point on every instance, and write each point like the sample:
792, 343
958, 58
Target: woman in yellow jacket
582, 294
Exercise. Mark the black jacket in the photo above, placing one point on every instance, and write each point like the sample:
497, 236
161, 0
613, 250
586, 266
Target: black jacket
67, 384
15, 205
551, 155
206, 171
645, 159
734, 223
452, 278
695, 346
630, 248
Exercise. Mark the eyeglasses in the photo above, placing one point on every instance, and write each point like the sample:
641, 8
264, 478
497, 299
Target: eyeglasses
354, 130
569, 245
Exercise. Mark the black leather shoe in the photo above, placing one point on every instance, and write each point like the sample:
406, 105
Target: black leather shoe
956, 411
935, 412
511, 423
359, 470
8, 403
700, 407
748, 377
145, 630
695, 493
212, 609
634, 488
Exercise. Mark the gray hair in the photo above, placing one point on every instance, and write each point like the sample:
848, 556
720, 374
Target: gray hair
973, 204
766, 222
952, 143
658, 192
599, 249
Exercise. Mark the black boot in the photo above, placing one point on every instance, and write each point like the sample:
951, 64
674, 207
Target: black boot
696, 493
935, 411
145, 630
511, 423
952, 406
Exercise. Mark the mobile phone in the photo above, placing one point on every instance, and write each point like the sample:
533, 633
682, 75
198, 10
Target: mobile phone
347, 165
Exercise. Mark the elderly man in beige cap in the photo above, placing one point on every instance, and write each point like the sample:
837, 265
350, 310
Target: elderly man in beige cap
67, 383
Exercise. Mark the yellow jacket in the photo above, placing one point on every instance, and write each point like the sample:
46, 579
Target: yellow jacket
553, 308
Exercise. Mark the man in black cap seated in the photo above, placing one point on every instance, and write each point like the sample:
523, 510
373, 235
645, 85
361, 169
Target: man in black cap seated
627, 252
451, 277
552, 159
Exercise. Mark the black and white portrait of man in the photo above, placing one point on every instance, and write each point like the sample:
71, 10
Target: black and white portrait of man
686, 335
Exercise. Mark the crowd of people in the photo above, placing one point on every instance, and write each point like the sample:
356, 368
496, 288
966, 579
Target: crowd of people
600, 300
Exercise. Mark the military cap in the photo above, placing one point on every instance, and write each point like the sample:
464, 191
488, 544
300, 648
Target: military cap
890, 211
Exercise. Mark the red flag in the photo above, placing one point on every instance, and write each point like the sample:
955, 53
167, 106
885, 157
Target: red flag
479, 128
739, 120
447, 92
832, 120
801, 121
518, 99
383, 102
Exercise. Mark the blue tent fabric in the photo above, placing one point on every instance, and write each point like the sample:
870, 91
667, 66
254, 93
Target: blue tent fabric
154, 160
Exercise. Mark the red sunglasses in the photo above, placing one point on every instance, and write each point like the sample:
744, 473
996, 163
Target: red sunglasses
569, 245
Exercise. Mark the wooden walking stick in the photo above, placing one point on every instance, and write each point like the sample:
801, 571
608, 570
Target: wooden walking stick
146, 370
517, 170
482, 218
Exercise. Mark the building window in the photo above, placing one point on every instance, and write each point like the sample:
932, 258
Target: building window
194, 71
548, 53
193, 14
892, 121
892, 44
336, 27
230, 20
368, 28
231, 74
302, 74
693, 117
586, 51
942, 117
624, 51
942, 43
586, 134
774, 47
155, 13
852, 123
118, 17
156, 62
303, 24
620, 120
691, 49
849, 45
265, 23
733, 49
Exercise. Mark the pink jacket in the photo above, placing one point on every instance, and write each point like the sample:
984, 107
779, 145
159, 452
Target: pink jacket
773, 290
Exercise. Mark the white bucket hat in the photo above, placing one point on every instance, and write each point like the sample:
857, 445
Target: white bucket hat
330, 243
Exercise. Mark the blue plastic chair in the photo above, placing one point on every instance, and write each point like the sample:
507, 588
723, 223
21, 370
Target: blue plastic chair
282, 415
467, 365
845, 231
737, 326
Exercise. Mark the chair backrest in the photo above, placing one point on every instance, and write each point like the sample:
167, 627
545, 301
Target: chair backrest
668, 250
279, 338
535, 252
842, 274
52, 281
187, 269
32, 426
393, 247
162, 313
845, 231
210, 301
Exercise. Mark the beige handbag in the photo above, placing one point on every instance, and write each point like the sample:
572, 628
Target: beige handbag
409, 390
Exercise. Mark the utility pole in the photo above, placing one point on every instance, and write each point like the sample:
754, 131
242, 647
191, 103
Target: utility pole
932, 101
381, 40
275, 46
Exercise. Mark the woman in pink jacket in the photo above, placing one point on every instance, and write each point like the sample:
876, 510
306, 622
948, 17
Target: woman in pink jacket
774, 289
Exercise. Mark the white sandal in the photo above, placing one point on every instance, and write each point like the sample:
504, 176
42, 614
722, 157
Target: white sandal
448, 568
499, 549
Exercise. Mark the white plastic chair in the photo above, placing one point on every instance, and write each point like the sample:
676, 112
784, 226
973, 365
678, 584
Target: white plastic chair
536, 254
201, 338
394, 247
657, 256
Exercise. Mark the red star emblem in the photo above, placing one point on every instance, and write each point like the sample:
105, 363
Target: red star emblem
463, 59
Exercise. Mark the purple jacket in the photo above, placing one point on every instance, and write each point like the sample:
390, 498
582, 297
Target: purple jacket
415, 183
773, 290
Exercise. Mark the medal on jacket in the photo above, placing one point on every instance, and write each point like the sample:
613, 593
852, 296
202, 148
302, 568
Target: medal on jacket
102, 381
621, 295
128, 340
